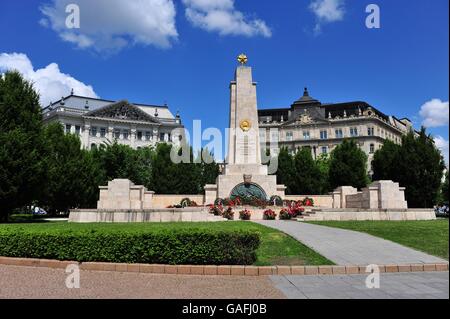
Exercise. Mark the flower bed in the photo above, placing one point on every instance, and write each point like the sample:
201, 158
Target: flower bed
269, 214
245, 214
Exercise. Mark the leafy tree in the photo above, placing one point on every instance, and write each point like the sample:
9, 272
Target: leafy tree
209, 168
323, 164
21, 171
121, 161
72, 177
164, 173
188, 175
286, 170
419, 168
385, 161
417, 165
348, 166
307, 174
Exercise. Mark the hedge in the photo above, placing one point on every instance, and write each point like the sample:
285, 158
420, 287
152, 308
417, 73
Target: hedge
194, 246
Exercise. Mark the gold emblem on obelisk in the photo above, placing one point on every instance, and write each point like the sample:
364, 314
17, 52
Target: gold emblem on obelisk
245, 125
242, 59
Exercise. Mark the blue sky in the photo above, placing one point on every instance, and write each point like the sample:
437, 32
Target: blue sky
188, 57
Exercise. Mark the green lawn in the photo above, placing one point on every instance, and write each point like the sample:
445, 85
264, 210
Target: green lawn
276, 247
427, 236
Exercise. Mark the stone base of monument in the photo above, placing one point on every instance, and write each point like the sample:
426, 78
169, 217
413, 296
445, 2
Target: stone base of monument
189, 214
123, 202
355, 214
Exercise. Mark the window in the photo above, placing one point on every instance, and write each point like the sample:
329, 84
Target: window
68, 128
289, 136
161, 136
148, 136
323, 135
353, 131
306, 135
370, 131
339, 133
93, 146
372, 148
77, 129
94, 131
102, 132
324, 150
139, 135
125, 134
116, 134
169, 137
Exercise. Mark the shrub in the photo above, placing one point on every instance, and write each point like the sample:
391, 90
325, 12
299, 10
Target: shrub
182, 246
228, 213
269, 214
285, 214
218, 201
245, 214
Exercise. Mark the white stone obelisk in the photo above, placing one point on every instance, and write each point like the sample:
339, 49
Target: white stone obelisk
243, 166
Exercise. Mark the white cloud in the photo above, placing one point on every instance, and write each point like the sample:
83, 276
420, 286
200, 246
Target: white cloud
434, 113
110, 25
327, 11
49, 82
222, 17
443, 145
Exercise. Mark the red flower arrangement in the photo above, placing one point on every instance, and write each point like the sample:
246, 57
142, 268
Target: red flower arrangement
269, 214
285, 214
308, 202
245, 214
216, 210
228, 213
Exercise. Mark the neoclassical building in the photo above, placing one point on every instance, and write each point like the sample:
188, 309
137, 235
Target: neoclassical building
308, 122
99, 121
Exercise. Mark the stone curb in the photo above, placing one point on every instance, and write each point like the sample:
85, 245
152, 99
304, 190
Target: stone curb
211, 270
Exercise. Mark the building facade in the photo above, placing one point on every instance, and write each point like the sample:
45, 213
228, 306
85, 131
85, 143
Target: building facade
309, 123
101, 122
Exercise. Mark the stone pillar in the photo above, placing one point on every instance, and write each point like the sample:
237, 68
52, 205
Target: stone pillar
133, 137
86, 134
210, 194
110, 132
340, 195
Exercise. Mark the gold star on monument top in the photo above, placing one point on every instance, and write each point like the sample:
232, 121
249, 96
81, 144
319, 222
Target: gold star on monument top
242, 59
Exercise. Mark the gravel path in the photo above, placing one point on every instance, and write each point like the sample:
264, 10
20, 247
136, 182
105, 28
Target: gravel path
346, 247
47, 283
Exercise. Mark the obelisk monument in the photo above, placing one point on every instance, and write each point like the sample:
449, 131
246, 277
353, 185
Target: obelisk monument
244, 174
244, 151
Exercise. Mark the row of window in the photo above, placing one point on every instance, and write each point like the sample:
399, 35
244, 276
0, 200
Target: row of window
323, 134
324, 149
117, 134
338, 133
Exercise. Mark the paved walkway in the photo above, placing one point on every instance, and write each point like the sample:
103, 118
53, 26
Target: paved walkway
48, 283
421, 285
346, 247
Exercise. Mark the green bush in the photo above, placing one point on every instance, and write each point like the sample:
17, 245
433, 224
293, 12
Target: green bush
193, 246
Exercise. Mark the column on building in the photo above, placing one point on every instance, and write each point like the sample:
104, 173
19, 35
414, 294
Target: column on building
86, 134
110, 132
133, 133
